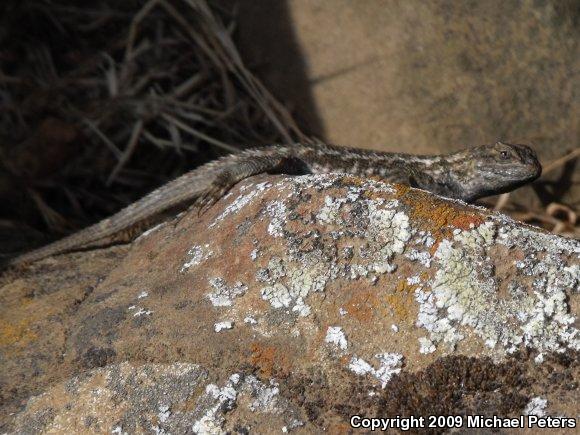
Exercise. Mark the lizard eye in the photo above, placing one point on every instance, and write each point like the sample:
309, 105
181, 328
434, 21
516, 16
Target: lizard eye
504, 155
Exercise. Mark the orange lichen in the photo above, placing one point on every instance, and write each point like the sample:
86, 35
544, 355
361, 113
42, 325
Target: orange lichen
437, 215
363, 305
400, 190
15, 333
466, 221
440, 217
268, 360
401, 300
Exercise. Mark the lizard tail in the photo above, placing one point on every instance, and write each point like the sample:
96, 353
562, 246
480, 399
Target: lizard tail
208, 183
167, 196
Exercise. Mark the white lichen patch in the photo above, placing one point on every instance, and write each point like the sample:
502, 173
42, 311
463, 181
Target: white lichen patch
197, 255
223, 326
222, 294
278, 295
335, 335
414, 280
423, 257
248, 392
142, 312
164, 413
330, 211
216, 402
139, 311
389, 226
389, 365
277, 212
360, 366
299, 283
465, 293
301, 308
265, 396
426, 346
388, 230
241, 201
536, 406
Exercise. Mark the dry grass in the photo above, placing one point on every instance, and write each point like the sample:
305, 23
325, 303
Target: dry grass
136, 88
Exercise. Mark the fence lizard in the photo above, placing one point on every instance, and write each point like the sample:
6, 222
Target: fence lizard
467, 175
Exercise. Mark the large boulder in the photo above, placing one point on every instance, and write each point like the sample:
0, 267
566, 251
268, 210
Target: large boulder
291, 305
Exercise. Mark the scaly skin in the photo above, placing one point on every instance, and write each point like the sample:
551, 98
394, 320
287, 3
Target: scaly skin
467, 175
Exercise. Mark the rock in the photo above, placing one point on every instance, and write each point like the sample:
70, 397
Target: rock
155, 398
334, 296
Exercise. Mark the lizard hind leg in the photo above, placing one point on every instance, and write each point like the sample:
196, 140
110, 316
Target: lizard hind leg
228, 177
223, 182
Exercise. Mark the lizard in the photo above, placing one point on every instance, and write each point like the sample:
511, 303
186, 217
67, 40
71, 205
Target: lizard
467, 175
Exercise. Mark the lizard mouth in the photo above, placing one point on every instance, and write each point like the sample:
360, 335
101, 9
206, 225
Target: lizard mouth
538, 172
529, 161
524, 176
533, 171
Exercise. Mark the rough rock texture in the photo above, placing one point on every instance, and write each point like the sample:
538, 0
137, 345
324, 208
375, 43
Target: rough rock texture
289, 306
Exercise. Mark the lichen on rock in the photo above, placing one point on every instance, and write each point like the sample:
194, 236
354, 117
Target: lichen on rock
466, 292
223, 295
370, 227
325, 288
311, 261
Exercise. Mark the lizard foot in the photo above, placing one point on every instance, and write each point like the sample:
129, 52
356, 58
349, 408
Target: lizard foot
212, 195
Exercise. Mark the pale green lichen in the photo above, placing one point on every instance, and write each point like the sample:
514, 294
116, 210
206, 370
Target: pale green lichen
465, 293
299, 283
312, 259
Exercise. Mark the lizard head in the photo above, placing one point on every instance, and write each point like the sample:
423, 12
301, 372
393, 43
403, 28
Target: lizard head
497, 168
